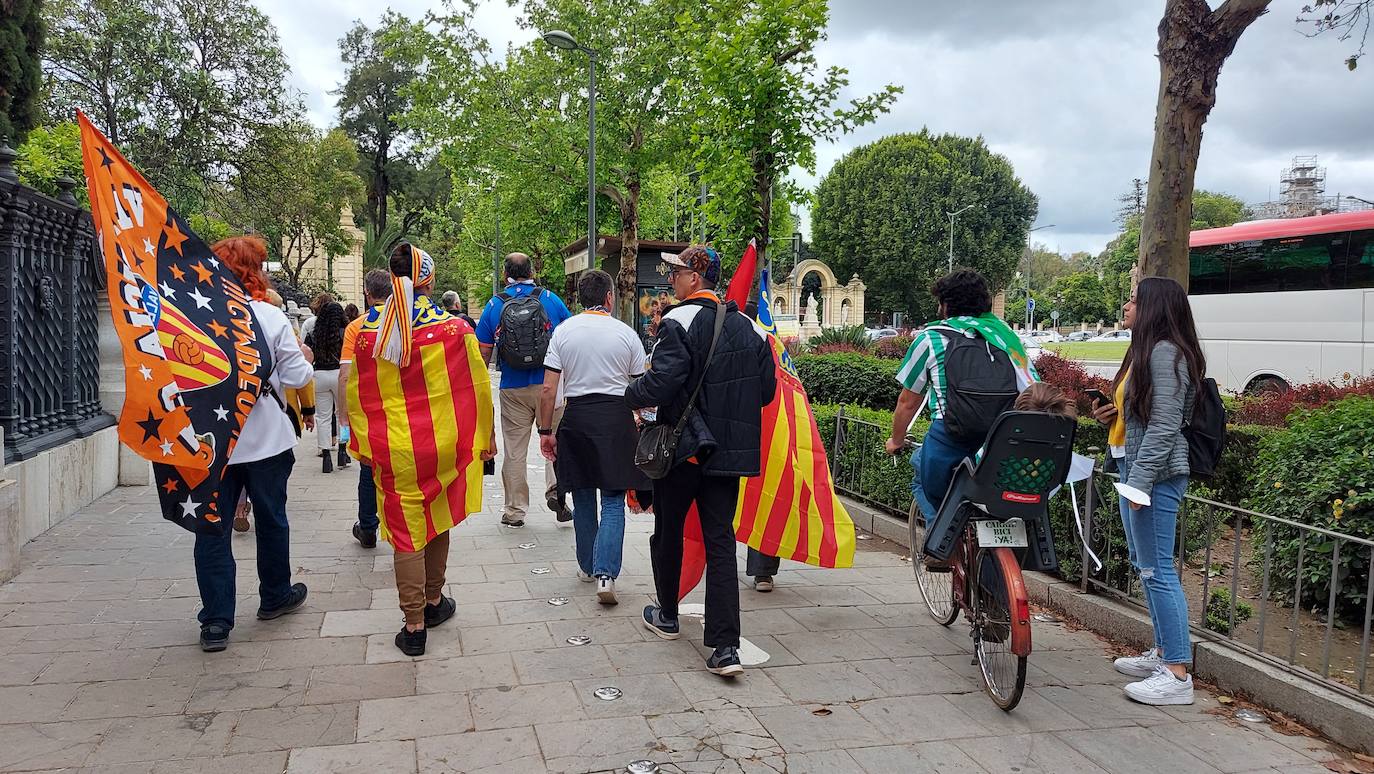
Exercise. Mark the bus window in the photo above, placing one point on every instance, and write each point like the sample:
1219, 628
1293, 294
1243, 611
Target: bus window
1359, 271
1207, 271
1297, 263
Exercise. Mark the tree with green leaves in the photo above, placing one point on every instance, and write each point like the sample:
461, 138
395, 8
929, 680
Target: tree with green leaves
881, 213
374, 94
21, 68
1215, 210
182, 86
294, 194
1078, 297
759, 104
518, 126
52, 152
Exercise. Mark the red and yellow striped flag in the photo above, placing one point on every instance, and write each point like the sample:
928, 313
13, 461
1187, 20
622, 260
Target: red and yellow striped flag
423, 426
790, 509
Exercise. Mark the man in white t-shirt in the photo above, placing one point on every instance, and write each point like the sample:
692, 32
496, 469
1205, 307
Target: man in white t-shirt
592, 358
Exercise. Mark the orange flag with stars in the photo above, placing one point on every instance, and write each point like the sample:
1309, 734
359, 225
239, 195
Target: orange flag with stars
194, 356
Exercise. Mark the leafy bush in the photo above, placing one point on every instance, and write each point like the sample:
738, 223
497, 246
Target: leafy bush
865, 469
837, 349
1071, 377
850, 378
854, 336
1273, 408
893, 347
1217, 616
1319, 472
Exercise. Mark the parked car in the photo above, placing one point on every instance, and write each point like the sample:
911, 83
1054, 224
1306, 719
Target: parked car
880, 333
1080, 336
1124, 335
1033, 347
1046, 337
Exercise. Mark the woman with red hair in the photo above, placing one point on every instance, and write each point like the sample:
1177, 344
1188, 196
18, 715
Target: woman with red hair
260, 464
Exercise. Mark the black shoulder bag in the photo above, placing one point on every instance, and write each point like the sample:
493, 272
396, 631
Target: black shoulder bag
657, 446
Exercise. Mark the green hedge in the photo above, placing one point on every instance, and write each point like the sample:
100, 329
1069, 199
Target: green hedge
1320, 471
850, 379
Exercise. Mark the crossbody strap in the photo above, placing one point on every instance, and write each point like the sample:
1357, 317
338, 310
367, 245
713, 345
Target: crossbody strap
710, 353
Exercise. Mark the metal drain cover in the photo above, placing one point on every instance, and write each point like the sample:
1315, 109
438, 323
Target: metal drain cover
642, 767
557, 601
528, 545
608, 693
541, 571
579, 639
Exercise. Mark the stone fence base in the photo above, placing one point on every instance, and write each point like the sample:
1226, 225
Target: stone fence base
38, 493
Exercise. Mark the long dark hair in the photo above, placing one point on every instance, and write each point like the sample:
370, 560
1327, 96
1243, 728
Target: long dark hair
1162, 314
329, 328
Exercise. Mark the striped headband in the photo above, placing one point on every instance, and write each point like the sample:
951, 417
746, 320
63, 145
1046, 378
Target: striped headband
396, 338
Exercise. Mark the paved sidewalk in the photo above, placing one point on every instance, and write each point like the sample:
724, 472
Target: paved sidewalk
101, 671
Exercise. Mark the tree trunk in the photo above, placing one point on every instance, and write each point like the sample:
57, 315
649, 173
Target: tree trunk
1194, 42
627, 279
379, 187
764, 175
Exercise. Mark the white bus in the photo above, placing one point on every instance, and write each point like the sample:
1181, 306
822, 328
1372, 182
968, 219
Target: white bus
1283, 302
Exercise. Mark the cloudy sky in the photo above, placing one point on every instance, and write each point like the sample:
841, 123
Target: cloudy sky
1065, 89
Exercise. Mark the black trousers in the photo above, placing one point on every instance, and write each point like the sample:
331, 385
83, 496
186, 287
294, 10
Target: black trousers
761, 565
715, 498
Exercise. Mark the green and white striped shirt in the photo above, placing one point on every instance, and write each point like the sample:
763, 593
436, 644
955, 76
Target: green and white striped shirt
923, 370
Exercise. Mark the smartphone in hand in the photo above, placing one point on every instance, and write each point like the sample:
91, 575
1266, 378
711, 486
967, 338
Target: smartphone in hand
1097, 397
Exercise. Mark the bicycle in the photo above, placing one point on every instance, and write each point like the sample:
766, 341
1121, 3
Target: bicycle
984, 579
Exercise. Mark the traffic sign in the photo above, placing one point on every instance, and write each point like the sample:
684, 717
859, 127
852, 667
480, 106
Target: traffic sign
1055, 315
1030, 304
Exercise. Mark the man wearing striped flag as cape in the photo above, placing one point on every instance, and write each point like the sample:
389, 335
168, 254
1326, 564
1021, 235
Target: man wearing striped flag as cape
420, 415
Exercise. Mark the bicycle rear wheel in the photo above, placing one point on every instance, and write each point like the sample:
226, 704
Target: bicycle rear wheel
937, 588
998, 593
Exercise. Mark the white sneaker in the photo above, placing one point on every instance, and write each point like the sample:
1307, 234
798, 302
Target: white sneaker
1143, 665
584, 577
1162, 688
605, 590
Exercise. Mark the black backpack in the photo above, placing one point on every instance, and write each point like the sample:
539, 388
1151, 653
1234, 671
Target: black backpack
523, 336
980, 384
1205, 431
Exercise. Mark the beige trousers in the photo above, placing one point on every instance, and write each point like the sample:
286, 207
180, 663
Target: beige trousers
519, 411
420, 577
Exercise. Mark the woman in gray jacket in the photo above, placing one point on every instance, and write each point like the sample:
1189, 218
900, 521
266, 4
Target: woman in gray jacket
1154, 390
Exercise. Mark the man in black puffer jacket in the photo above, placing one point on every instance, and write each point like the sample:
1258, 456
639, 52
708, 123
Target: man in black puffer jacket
719, 446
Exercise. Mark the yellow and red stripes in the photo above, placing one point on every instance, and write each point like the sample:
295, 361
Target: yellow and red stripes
423, 426
790, 509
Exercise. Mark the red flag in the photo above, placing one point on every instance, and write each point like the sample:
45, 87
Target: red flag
743, 280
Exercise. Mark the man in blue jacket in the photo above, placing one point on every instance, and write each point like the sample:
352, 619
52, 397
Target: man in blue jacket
520, 336
719, 446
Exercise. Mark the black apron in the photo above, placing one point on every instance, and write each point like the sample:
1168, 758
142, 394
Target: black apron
596, 445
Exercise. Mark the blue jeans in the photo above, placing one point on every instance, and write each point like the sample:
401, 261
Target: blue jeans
367, 498
1151, 533
599, 546
265, 481
934, 463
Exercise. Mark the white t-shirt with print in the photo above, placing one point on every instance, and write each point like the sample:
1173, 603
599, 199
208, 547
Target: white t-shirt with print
596, 355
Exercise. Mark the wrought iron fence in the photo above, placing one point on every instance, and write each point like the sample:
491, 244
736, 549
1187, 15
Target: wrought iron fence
50, 283
1298, 596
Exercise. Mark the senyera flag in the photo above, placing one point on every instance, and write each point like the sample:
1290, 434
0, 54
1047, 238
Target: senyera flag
195, 360
790, 509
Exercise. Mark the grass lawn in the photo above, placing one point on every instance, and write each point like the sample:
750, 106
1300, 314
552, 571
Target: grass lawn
1112, 351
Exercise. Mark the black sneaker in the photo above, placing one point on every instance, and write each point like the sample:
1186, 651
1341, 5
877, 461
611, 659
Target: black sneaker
437, 614
328, 463
654, 621
343, 457
367, 538
724, 661
214, 638
560, 511
411, 643
512, 523
292, 604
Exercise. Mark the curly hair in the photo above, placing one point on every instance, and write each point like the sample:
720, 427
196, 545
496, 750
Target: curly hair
244, 255
963, 292
328, 331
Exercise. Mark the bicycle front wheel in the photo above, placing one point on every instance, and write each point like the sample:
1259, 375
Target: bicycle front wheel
1001, 629
937, 588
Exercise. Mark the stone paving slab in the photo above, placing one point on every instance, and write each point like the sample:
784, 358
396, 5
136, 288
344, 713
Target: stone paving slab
103, 672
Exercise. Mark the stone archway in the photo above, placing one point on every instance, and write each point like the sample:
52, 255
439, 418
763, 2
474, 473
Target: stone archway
840, 304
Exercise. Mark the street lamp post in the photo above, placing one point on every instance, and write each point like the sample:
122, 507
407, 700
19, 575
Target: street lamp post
562, 40
952, 216
1030, 305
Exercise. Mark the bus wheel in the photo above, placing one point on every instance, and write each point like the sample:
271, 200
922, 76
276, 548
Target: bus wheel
1267, 384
